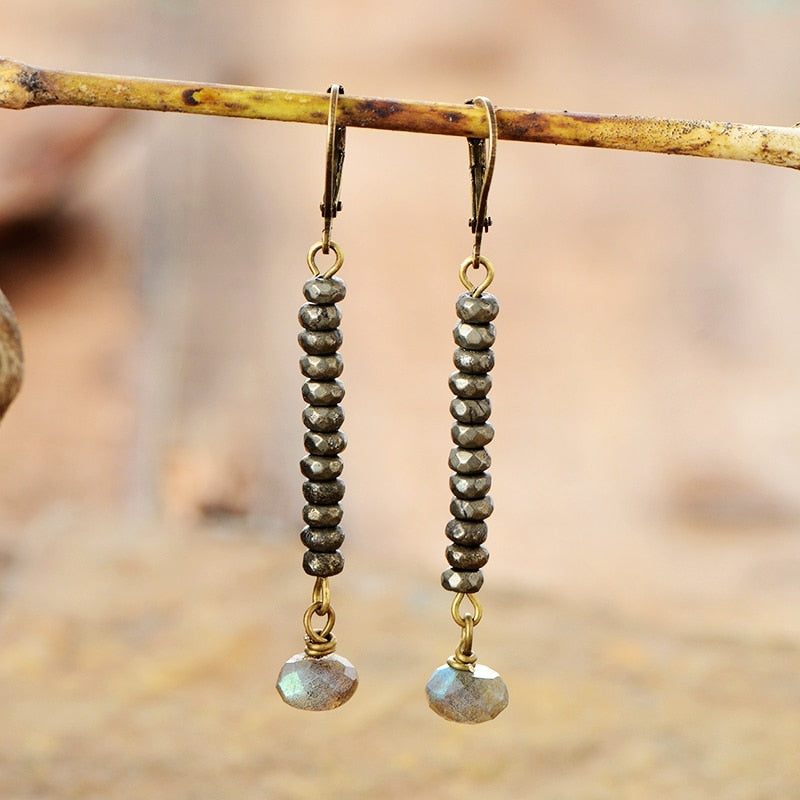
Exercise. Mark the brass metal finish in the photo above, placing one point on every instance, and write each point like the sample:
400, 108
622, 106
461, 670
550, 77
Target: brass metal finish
312, 253
482, 156
476, 291
334, 161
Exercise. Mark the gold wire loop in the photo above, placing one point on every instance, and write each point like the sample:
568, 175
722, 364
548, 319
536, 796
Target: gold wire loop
476, 291
312, 254
455, 609
319, 635
482, 156
322, 594
334, 161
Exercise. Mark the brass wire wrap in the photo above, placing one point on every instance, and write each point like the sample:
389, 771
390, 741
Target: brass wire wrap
476, 291
319, 641
331, 271
455, 609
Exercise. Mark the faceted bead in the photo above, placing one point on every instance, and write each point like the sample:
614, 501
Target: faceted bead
470, 534
462, 384
323, 419
323, 516
472, 510
320, 343
324, 444
317, 684
324, 493
471, 487
322, 368
468, 462
323, 393
466, 558
470, 411
322, 540
315, 317
477, 309
462, 581
474, 337
469, 696
473, 361
471, 435
323, 565
324, 290
321, 468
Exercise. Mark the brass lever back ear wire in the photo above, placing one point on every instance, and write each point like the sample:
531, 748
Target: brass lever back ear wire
463, 690
318, 679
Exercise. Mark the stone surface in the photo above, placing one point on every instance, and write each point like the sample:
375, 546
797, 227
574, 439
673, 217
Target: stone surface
317, 684
464, 696
466, 581
477, 309
324, 290
474, 337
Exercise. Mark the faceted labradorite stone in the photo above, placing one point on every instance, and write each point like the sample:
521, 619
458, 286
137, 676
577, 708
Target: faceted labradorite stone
464, 696
317, 684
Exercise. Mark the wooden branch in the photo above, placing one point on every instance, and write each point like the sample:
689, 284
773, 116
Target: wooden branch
22, 86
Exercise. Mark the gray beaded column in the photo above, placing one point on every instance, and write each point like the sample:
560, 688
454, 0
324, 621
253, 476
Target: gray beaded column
318, 679
462, 690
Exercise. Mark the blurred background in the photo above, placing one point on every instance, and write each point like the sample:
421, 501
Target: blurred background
643, 594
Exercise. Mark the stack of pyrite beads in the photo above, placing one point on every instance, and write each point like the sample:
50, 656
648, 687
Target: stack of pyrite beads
471, 432
323, 417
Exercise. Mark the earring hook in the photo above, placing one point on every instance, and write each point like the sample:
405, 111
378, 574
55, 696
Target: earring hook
334, 161
482, 156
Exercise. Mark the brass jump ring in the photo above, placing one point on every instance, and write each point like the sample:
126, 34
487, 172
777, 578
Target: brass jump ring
320, 635
455, 609
312, 253
482, 287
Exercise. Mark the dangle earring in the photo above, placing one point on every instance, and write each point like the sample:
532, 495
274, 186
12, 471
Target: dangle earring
463, 690
318, 679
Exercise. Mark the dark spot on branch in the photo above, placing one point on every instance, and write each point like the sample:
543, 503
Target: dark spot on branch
189, 98
36, 86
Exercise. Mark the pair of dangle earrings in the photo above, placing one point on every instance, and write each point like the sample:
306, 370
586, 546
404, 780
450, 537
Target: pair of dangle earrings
319, 679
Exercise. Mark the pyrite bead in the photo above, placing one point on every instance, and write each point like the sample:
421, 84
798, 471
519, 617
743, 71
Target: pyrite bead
464, 385
470, 411
474, 337
322, 540
471, 487
322, 368
468, 462
481, 309
324, 290
315, 317
324, 444
472, 510
321, 468
460, 581
324, 493
473, 361
323, 393
471, 436
323, 565
323, 419
320, 343
466, 558
323, 516
469, 534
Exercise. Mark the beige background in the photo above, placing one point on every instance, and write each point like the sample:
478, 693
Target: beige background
644, 585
